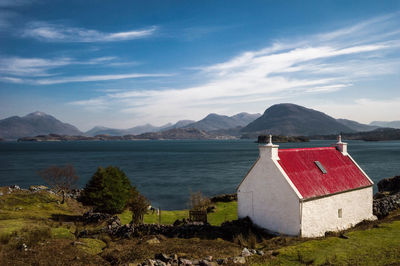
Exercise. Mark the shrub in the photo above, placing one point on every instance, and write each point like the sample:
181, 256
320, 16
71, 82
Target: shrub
138, 204
61, 178
107, 191
198, 202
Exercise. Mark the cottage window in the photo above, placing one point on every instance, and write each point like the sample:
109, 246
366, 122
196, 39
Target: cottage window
339, 213
323, 170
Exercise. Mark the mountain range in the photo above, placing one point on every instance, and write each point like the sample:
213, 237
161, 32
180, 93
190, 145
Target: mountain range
280, 119
392, 124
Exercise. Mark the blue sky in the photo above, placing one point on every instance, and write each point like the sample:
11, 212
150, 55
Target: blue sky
126, 63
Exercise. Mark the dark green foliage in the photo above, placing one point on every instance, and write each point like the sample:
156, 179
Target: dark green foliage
107, 191
138, 205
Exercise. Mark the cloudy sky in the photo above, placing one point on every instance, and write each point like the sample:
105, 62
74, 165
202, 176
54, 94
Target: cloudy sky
126, 63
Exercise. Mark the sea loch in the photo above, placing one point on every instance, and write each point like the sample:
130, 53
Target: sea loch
166, 171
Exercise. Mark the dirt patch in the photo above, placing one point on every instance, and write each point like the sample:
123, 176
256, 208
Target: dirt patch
52, 252
138, 250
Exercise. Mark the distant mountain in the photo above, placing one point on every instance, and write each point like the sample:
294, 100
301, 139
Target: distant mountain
392, 124
295, 120
33, 124
181, 133
180, 124
98, 130
356, 126
214, 122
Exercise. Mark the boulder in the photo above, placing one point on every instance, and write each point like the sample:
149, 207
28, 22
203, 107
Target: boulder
38, 188
152, 241
246, 252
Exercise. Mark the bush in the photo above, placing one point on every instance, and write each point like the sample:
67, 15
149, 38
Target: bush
138, 204
108, 190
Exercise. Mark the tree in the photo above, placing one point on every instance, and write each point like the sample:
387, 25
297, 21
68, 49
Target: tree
108, 190
138, 204
198, 202
61, 178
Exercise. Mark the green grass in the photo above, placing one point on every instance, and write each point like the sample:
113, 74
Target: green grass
27, 205
92, 246
62, 233
376, 246
225, 211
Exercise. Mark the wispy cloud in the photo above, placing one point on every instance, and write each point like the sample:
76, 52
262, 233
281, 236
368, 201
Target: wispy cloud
41, 71
322, 63
89, 78
61, 33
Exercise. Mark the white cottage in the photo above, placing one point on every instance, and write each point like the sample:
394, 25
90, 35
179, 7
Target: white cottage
306, 191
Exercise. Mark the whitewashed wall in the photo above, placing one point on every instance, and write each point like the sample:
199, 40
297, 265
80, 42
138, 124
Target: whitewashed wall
321, 215
268, 199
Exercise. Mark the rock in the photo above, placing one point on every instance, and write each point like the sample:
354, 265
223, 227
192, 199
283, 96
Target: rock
246, 252
391, 185
160, 263
383, 206
222, 261
15, 187
152, 241
260, 252
94, 217
207, 263
24, 247
38, 188
239, 260
185, 262
224, 198
163, 257
150, 262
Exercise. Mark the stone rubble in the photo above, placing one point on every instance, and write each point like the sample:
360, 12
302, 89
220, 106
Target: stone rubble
174, 260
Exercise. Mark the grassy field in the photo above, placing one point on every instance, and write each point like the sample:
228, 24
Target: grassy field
33, 219
225, 211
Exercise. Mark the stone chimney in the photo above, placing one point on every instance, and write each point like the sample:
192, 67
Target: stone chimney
341, 146
269, 150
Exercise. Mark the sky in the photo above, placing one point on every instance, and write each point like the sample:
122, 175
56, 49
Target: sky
121, 64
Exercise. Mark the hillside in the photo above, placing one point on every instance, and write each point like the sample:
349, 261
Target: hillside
378, 134
356, 126
392, 124
216, 122
294, 120
33, 124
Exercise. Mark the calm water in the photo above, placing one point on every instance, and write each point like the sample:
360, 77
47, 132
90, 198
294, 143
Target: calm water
166, 171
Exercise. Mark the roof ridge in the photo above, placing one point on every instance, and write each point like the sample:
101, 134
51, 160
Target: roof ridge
310, 148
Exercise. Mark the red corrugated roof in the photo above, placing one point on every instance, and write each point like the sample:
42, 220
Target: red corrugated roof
342, 174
